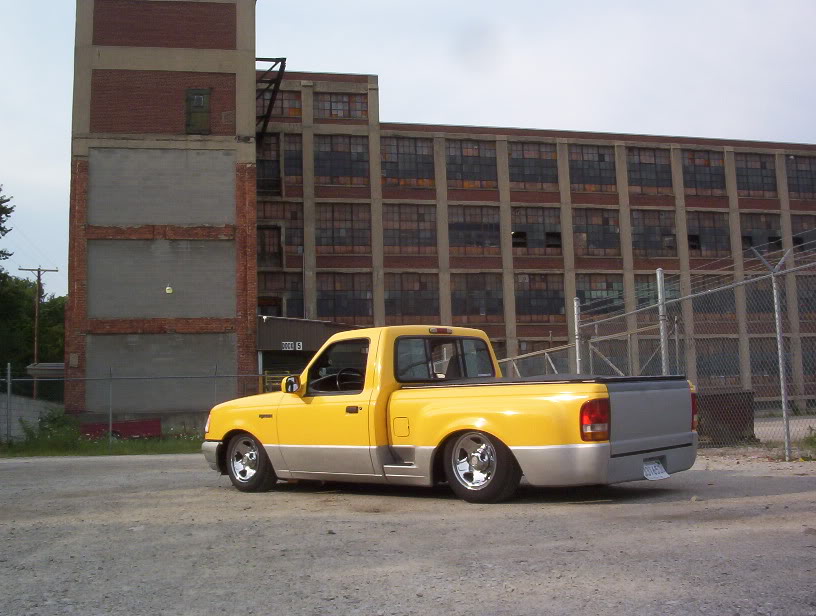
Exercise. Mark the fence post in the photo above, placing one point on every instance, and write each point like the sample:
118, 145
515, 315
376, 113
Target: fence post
8, 402
780, 344
577, 319
780, 352
677, 345
664, 333
110, 409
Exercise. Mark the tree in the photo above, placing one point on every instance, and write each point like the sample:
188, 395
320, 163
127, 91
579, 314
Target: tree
5, 214
17, 323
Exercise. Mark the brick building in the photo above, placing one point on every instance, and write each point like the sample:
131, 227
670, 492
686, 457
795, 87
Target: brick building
363, 222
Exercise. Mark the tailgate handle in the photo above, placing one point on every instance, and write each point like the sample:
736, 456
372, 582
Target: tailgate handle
352, 409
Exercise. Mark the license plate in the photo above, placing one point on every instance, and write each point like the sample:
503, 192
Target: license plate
653, 470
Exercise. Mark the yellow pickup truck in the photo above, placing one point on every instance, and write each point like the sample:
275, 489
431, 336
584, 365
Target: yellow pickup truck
419, 405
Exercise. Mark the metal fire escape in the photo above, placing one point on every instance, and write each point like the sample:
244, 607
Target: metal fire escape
268, 82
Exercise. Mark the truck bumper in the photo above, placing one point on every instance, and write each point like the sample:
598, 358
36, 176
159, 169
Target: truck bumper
210, 451
592, 464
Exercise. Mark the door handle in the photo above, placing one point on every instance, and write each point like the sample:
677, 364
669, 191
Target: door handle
353, 409
265, 415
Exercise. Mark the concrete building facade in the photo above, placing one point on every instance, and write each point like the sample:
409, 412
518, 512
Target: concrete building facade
162, 219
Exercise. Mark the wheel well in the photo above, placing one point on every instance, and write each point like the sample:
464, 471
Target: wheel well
437, 468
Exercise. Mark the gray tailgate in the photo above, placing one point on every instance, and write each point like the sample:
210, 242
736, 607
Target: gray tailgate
649, 414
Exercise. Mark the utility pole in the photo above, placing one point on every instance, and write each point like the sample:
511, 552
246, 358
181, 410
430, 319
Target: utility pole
40, 271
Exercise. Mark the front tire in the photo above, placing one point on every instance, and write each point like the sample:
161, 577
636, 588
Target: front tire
248, 466
480, 468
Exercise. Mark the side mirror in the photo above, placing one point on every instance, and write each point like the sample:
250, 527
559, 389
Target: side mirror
290, 384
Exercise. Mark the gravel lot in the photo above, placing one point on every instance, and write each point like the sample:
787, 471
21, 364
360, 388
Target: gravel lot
165, 535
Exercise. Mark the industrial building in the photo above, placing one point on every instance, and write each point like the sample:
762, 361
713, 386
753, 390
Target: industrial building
187, 222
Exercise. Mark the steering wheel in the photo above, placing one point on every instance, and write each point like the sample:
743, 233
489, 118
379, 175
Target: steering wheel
351, 372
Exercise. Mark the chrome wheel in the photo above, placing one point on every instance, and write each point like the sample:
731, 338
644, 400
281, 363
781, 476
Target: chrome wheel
473, 459
244, 459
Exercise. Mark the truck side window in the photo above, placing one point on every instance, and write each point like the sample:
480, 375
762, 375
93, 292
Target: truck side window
339, 369
412, 360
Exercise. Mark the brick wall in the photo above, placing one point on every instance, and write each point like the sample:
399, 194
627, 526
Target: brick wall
246, 283
155, 101
197, 25
76, 308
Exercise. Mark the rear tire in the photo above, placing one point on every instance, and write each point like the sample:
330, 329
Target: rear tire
480, 468
248, 466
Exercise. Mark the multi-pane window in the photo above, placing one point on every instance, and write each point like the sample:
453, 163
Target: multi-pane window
477, 298
343, 228
653, 233
756, 175
803, 228
411, 298
473, 230
801, 177
287, 104
268, 165
599, 293
407, 161
592, 168
409, 229
289, 217
649, 171
293, 159
344, 297
646, 289
341, 159
761, 231
719, 306
596, 232
536, 231
471, 164
533, 166
708, 234
704, 173
281, 294
540, 298
330, 105
198, 111
759, 299
269, 246
806, 294
718, 361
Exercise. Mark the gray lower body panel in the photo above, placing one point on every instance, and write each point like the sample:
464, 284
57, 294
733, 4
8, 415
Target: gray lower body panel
210, 451
592, 464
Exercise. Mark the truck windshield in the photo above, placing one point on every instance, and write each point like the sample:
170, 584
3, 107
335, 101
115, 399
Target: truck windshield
441, 358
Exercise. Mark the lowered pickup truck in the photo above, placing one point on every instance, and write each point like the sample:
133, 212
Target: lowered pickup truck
419, 405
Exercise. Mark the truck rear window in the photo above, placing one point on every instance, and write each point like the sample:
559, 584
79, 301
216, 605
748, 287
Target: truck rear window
438, 358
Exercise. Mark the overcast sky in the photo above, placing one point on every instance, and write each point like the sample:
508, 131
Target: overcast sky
737, 69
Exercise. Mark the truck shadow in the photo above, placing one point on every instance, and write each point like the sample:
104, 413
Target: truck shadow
691, 486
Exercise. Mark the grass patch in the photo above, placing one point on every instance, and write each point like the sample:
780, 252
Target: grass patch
57, 434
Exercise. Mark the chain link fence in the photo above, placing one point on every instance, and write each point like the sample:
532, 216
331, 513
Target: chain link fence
743, 331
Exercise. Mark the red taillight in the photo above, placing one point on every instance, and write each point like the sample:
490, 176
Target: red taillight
693, 411
595, 420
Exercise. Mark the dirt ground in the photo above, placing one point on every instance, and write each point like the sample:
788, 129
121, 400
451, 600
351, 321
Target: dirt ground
165, 535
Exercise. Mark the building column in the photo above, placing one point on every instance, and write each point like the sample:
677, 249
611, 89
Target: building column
375, 175
739, 268
442, 238
791, 290
506, 244
309, 214
625, 222
567, 241
681, 228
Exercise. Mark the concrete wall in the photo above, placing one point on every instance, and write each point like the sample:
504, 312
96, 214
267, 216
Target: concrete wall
25, 409
128, 279
160, 355
151, 186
